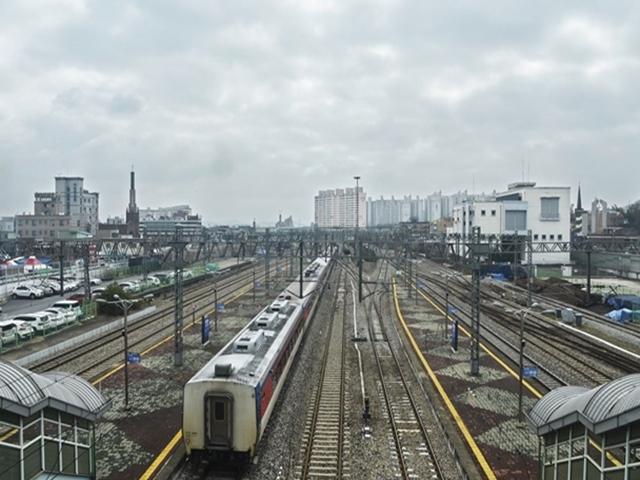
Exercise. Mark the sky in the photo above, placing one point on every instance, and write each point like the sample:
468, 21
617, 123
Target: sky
246, 109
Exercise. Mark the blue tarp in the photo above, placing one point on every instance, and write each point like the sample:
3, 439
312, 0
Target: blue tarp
621, 316
624, 301
497, 276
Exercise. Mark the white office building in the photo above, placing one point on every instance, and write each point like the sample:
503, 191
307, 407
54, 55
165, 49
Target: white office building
337, 208
546, 211
72, 200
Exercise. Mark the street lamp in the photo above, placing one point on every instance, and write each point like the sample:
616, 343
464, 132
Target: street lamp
358, 246
357, 179
215, 309
125, 304
523, 313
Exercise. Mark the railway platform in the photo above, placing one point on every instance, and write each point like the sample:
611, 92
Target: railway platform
484, 407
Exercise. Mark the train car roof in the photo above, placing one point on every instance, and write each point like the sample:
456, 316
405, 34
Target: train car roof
261, 345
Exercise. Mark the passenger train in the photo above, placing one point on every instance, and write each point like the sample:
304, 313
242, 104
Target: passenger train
227, 404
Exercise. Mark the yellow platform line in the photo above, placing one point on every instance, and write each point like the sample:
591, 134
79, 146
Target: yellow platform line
513, 373
482, 461
159, 460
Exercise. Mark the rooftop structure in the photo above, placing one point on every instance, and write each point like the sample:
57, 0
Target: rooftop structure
594, 431
34, 409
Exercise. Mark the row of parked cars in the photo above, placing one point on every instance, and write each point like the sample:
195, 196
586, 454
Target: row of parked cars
25, 326
48, 287
60, 314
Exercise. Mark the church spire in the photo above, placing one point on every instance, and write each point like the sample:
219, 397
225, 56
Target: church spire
579, 204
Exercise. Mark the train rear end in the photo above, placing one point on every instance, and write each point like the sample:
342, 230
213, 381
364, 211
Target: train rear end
213, 425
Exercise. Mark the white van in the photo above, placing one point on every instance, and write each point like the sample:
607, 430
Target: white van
69, 305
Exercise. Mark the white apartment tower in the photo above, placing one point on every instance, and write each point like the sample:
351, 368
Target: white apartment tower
337, 208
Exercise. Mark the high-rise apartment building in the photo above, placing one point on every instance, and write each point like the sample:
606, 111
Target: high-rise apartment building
341, 207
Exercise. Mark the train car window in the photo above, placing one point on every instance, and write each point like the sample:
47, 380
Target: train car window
219, 411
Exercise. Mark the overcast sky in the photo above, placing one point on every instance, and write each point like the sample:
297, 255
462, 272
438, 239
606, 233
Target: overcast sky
246, 109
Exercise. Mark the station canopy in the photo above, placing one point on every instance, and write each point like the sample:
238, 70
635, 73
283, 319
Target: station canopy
600, 409
24, 393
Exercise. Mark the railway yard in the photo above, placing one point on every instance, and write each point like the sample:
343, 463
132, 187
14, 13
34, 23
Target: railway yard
377, 388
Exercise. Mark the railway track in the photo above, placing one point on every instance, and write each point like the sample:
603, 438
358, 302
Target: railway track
563, 357
142, 332
409, 433
325, 444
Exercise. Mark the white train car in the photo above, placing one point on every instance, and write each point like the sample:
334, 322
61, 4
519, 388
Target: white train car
227, 404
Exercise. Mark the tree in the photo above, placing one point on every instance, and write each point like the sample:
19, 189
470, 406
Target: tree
632, 216
109, 294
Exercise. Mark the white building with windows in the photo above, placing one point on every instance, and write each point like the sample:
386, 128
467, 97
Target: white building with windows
337, 208
546, 211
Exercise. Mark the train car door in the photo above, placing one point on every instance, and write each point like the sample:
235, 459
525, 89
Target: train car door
219, 420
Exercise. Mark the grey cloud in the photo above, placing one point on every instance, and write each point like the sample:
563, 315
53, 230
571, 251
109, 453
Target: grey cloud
246, 108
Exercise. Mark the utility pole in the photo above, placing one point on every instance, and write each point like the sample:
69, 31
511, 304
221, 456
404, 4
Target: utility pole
125, 305
301, 268
446, 311
254, 285
529, 266
215, 310
178, 249
357, 243
515, 258
588, 274
360, 272
475, 303
61, 268
266, 264
87, 280
521, 365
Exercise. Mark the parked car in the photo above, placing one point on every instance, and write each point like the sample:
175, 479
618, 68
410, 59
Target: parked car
72, 305
56, 317
46, 289
8, 333
38, 321
68, 315
153, 280
96, 292
53, 285
95, 281
68, 284
25, 332
26, 291
163, 277
78, 297
129, 286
